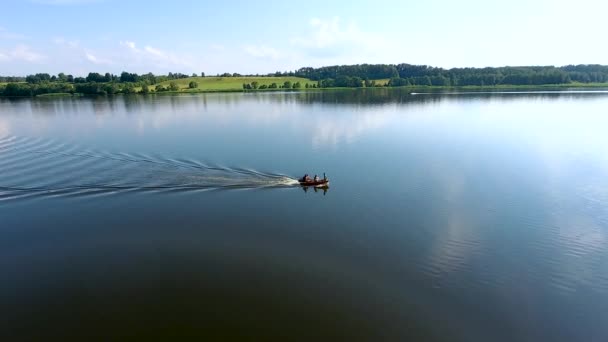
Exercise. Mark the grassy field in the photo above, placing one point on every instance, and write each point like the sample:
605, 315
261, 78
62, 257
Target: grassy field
230, 83
382, 81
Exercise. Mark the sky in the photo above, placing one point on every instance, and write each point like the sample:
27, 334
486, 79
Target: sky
81, 36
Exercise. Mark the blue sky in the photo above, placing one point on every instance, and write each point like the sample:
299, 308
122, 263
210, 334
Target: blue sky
79, 36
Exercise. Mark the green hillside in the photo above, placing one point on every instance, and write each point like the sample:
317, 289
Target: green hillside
231, 83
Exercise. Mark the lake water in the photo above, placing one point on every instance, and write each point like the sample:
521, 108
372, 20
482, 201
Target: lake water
449, 217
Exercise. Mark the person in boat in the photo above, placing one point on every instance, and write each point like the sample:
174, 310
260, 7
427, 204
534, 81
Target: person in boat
306, 178
316, 179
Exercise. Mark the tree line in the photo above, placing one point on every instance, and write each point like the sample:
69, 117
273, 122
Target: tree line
93, 84
8, 79
423, 75
88, 88
361, 75
124, 77
286, 85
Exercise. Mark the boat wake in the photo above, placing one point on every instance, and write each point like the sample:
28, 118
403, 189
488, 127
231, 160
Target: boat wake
38, 167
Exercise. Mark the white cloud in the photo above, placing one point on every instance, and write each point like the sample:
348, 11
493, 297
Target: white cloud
64, 54
91, 57
155, 52
130, 45
155, 57
94, 59
22, 53
262, 51
330, 37
65, 42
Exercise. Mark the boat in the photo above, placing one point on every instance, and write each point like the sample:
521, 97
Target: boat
319, 183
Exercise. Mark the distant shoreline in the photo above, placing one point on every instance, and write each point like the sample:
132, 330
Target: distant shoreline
359, 76
413, 89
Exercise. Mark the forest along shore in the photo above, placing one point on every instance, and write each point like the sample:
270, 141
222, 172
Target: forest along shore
344, 76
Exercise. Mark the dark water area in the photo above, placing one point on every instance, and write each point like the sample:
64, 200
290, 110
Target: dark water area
449, 217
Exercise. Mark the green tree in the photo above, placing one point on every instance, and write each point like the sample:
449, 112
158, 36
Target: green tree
173, 86
110, 88
254, 84
128, 77
192, 85
145, 89
159, 88
38, 78
17, 89
128, 88
95, 77
287, 84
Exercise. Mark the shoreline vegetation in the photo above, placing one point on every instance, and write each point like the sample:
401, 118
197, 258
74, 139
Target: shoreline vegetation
416, 78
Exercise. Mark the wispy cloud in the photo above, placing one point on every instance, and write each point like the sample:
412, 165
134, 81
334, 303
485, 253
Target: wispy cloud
333, 38
262, 51
129, 44
155, 56
22, 53
65, 42
96, 60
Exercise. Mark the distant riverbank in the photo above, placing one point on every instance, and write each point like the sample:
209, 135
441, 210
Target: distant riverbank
414, 77
265, 84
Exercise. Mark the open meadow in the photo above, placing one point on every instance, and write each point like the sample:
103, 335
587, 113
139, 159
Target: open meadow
231, 83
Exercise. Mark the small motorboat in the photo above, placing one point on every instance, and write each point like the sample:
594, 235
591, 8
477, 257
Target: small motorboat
310, 182
320, 182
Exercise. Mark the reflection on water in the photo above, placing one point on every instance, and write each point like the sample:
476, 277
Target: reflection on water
317, 189
451, 217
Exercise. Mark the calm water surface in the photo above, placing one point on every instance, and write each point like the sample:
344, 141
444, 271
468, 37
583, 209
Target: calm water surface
454, 217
